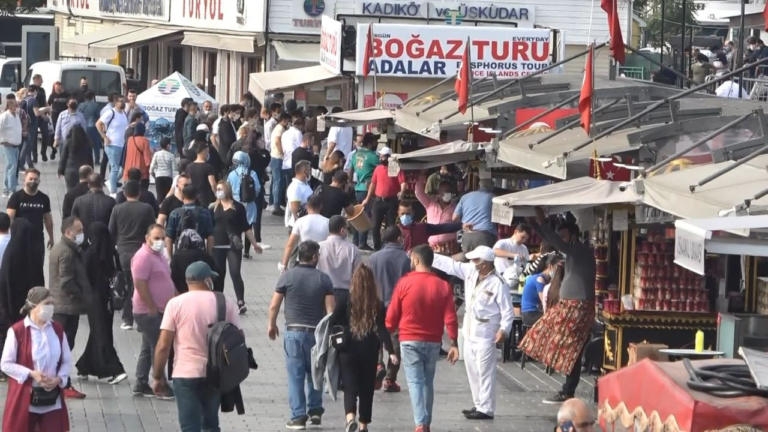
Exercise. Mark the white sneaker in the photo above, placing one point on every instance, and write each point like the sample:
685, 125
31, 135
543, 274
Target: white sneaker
126, 326
118, 378
264, 246
82, 377
269, 209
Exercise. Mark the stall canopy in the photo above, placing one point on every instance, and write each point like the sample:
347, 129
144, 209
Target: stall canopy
224, 42
569, 195
263, 83
434, 156
109, 48
164, 98
78, 46
297, 51
358, 117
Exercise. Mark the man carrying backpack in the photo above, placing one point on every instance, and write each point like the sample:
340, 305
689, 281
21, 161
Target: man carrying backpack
189, 216
185, 327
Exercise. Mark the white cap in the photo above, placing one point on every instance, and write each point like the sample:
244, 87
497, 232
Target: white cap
203, 127
385, 151
481, 252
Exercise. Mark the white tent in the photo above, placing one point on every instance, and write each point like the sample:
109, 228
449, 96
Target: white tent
164, 98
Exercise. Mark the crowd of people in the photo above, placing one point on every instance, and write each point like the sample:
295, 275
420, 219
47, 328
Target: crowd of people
151, 256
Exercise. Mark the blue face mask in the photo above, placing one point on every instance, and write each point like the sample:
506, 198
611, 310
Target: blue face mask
406, 219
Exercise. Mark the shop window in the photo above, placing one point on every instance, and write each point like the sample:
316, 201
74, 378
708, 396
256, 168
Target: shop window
248, 65
210, 62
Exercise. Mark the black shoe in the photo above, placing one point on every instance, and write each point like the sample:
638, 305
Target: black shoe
53, 154
143, 390
246, 256
297, 423
478, 415
44, 157
468, 411
278, 213
556, 399
365, 248
316, 418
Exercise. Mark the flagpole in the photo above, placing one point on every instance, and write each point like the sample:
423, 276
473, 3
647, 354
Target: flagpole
472, 107
375, 72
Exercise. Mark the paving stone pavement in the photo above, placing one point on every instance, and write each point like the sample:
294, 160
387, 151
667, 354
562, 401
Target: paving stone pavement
113, 408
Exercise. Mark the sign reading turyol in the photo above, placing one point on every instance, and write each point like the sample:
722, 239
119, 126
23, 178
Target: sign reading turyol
452, 12
435, 51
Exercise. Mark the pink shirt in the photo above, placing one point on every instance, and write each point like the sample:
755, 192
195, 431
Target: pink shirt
188, 316
152, 267
436, 214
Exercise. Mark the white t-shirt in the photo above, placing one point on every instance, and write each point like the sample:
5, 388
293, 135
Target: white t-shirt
215, 126
311, 227
343, 137
268, 126
291, 140
297, 191
116, 123
509, 245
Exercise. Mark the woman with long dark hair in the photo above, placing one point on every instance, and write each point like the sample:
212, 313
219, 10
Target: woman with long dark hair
99, 357
362, 317
76, 152
552, 291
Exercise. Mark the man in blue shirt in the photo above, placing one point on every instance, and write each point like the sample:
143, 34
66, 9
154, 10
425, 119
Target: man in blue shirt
531, 304
474, 209
90, 110
66, 121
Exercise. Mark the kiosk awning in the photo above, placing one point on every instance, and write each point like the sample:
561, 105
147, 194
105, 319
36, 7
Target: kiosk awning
108, 48
262, 83
222, 41
78, 45
434, 156
358, 117
582, 192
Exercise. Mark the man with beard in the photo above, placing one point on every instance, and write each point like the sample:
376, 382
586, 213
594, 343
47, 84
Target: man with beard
35, 206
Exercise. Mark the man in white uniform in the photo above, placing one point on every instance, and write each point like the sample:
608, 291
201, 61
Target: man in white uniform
487, 321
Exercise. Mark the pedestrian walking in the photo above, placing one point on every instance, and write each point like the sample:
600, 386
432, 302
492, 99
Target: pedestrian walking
279, 185
153, 288
80, 189
11, 141
112, 125
312, 226
70, 287
89, 108
248, 189
28, 102
76, 152
191, 249
68, 119
138, 155
362, 318
487, 322
388, 265
35, 206
184, 327
37, 357
99, 357
172, 201
163, 167
202, 175
145, 196
128, 226
339, 257
421, 307
189, 216
308, 296
298, 193
230, 223
95, 206
383, 193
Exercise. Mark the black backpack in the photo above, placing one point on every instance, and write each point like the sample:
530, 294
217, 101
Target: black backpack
188, 222
247, 188
228, 357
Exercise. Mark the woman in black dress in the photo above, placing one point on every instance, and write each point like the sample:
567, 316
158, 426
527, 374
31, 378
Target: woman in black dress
77, 151
99, 357
20, 270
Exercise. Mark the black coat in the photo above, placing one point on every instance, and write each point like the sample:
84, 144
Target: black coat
69, 198
76, 152
20, 270
93, 207
178, 129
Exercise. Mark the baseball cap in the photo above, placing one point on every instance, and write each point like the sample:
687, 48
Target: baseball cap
202, 127
481, 252
385, 151
199, 271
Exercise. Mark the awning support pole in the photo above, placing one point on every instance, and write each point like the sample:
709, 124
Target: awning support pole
664, 101
543, 114
429, 89
527, 77
740, 162
573, 123
712, 135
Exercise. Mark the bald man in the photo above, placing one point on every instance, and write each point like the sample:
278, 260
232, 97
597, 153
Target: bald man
575, 415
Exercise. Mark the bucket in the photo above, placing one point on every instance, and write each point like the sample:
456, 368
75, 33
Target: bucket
360, 220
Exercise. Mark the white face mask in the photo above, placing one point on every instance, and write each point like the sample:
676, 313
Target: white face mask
45, 313
79, 239
447, 197
157, 245
220, 195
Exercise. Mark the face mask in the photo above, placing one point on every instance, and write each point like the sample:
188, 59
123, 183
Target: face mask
32, 185
157, 245
79, 239
406, 219
45, 313
220, 195
447, 197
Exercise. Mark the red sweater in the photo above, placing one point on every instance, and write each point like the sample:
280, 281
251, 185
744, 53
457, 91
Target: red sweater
422, 304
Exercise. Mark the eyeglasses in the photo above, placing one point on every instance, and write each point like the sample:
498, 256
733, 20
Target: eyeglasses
569, 426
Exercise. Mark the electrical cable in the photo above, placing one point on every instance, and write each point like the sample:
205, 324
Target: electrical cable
723, 380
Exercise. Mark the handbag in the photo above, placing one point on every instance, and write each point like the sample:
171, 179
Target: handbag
117, 291
339, 337
43, 398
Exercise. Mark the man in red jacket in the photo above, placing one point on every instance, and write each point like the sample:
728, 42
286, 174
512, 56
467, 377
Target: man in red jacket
412, 311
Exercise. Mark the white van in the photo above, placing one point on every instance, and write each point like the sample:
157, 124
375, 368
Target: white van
10, 75
103, 79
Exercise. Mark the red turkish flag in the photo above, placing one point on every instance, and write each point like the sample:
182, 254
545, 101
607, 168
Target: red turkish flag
463, 79
608, 170
587, 88
368, 51
611, 7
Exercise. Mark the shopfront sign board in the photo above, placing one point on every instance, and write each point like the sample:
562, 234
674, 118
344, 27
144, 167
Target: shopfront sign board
689, 250
452, 12
502, 214
413, 51
330, 44
146, 10
232, 15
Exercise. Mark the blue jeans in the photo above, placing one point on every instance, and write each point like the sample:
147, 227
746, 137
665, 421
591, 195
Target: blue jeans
198, 405
11, 178
419, 360
275, 198
298, 357
25, 158
31, 140
360, 239
115, 156
95, 137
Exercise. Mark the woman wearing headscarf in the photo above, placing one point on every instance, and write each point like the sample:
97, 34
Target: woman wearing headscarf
21, 269
76, 152
241, 162
99, 357
36, 357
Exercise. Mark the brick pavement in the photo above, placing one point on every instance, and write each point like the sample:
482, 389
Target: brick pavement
114, 409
